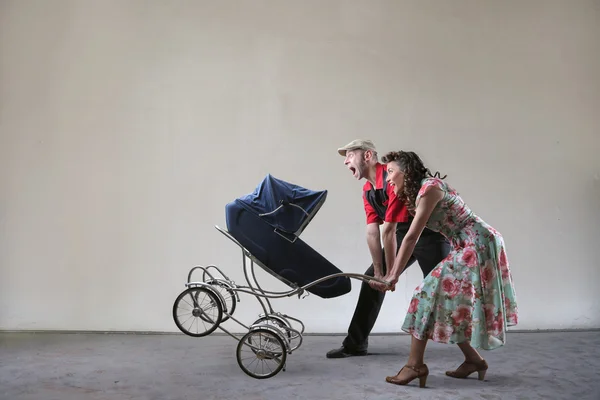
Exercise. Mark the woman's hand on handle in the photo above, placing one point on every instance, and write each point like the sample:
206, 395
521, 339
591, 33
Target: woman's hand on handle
383, 287
375, 284
391, 280
389, 285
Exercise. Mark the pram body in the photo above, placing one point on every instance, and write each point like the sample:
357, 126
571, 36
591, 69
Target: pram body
266, 224
269, 221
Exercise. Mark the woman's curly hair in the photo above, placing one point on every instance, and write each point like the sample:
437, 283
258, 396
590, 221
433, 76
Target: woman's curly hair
414, 172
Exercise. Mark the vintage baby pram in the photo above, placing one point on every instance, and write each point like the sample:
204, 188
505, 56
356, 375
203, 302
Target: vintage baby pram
266, 225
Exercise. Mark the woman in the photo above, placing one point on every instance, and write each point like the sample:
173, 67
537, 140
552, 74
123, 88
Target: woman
469, 298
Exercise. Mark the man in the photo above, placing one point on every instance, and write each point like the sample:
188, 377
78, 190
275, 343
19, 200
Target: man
382, 208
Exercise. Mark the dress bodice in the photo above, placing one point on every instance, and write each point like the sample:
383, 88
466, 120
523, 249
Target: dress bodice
451, 216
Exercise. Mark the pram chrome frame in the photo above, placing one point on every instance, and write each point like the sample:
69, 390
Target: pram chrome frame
270, 323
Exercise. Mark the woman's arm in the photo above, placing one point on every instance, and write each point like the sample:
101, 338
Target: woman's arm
388, 237
427, 203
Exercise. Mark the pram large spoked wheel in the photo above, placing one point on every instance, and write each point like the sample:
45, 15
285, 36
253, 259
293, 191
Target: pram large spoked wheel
261, 353
197, 311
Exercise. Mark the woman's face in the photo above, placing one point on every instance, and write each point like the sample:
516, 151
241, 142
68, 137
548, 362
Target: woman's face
395, 177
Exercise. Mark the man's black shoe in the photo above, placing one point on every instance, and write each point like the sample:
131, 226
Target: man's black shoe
342, 352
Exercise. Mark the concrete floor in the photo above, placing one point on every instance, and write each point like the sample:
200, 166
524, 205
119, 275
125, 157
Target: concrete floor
52, 366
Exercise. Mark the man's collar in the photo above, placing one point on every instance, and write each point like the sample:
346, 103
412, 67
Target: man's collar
378, 173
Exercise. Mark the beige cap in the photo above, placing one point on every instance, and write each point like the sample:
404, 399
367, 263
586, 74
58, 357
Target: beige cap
357, 144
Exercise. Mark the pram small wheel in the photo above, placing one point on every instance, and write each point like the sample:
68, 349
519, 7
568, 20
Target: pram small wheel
264, 345
271, 319
277, 322
195, 306
292, 336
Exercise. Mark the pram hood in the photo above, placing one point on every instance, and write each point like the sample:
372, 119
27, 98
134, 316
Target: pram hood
285, 206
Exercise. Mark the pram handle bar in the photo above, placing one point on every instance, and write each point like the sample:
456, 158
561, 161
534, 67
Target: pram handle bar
299, 290
365, 278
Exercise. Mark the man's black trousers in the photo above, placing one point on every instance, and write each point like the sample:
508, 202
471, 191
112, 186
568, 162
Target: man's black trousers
431, 248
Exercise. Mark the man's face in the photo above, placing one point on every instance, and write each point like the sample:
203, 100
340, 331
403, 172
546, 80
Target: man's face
355, 161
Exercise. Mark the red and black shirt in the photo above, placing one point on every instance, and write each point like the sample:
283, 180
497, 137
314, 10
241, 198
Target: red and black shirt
381, 204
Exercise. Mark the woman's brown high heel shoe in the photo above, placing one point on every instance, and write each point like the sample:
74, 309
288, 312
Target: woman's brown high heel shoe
421, 371
467, 368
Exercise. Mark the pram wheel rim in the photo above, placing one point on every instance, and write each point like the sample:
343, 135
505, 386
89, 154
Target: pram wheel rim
215, 301
262, 354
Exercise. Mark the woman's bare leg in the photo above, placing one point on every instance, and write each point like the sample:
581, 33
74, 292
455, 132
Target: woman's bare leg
471, 355
417, 352
473, 363
415, 359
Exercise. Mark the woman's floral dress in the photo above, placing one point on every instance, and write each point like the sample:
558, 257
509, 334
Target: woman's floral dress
468, 296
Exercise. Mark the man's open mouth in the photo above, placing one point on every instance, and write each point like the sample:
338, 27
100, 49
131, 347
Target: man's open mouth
353, 170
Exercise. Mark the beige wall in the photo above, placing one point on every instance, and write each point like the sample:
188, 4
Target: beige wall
118, 120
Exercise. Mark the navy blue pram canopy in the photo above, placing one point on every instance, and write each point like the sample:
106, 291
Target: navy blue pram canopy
285, 206
268, 223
